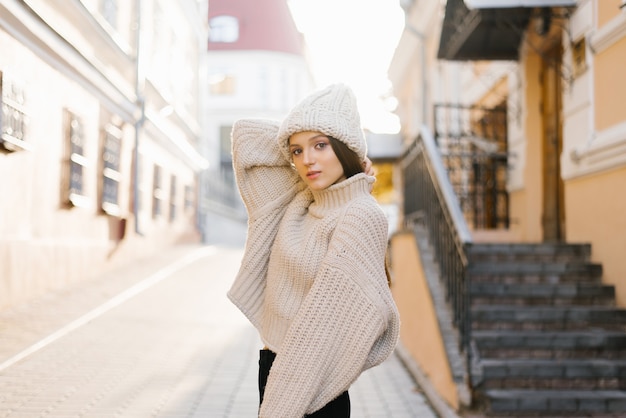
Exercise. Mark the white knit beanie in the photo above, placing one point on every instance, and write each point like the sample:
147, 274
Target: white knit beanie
332, 111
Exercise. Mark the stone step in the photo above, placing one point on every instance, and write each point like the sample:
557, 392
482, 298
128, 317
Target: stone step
557, 402
550, 344
591, 374
549, 340
534, 268
531, 278
548, 318
542, 293
530, 252
535, 273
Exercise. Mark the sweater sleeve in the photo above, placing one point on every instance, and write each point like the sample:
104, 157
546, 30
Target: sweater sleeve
267, 183
264, 177
347, 323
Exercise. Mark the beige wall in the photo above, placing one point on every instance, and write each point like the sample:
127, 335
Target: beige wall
419, 330
594, 157
493, 97
610, 86
607, 10
597, 214
526, 203
44, 244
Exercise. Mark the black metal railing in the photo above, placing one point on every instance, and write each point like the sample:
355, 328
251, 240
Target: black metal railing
429, 197
473, 144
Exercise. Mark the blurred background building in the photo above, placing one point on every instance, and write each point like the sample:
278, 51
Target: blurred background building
514, 166
116, 120
257, 67
100, 129
504, 186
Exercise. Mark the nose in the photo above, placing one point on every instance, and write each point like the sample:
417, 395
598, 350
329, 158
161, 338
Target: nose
308, 157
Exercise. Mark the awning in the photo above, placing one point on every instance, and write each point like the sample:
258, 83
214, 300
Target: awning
487, 29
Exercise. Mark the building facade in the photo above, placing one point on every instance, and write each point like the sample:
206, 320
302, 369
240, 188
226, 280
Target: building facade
100, 127
563, 126
257, 67
538, 85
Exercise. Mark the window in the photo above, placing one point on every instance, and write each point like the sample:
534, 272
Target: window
13, 116
111, 176
579, 61
226, 159
224, 29
157, 191
140, 186
172, 198
188, 198
73, 187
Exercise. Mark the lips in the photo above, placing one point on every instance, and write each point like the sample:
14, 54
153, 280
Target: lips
313, 174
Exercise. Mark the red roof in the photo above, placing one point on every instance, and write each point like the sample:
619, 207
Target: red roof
263, 25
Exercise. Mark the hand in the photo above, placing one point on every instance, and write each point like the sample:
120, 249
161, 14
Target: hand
367, 167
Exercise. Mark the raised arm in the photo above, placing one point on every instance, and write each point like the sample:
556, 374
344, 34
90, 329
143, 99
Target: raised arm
267, 183
264, 177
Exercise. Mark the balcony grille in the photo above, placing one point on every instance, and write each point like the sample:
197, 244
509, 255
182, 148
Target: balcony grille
473, 144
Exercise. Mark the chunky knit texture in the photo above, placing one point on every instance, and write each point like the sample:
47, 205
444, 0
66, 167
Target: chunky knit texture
332, 111
312, 278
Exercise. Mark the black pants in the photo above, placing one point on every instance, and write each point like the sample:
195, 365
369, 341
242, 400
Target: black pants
337, 408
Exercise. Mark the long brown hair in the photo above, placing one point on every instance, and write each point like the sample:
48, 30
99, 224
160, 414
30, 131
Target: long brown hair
349, 159
352, 165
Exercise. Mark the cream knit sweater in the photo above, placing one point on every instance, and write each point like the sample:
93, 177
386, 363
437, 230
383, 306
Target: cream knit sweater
312, 278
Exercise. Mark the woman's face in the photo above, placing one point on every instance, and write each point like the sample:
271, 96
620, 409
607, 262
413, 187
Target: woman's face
314, 158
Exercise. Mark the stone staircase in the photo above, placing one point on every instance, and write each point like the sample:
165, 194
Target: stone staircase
547, 338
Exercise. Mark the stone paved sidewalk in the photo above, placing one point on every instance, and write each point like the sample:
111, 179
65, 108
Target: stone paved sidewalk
157, 338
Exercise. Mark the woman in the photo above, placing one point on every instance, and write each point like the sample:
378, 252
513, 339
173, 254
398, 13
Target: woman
312, 279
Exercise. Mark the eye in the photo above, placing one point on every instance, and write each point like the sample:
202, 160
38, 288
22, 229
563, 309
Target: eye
296, 151
321, 145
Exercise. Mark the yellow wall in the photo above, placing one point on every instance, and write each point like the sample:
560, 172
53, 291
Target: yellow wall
596, 213
607, 10
493, 97
517, 214
610, 88
419, 332
526, 204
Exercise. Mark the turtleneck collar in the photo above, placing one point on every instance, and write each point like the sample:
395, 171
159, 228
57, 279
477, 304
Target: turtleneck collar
339, 194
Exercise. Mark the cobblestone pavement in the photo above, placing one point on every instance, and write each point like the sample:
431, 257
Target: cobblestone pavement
157, 338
